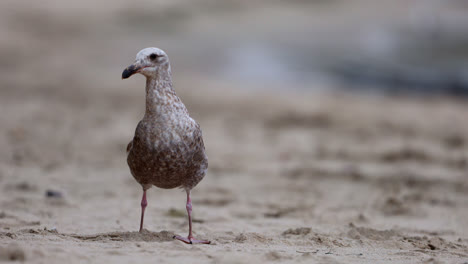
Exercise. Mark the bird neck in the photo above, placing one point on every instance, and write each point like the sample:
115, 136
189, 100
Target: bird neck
161, 98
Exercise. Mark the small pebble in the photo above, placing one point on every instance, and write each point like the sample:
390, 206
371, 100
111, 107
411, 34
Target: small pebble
54, 194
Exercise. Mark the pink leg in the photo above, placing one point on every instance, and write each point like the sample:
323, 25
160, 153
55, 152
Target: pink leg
144, 203
190, 239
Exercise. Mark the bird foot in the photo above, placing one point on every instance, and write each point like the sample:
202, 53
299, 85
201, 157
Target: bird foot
191, 240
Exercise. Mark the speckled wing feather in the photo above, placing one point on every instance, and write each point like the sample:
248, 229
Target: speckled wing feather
199, 161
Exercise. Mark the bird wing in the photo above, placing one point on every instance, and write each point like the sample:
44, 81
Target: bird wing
200, 155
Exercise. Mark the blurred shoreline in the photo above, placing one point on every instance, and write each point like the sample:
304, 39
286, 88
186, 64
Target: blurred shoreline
392, 47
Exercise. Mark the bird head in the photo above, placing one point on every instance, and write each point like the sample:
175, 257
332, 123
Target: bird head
147, 63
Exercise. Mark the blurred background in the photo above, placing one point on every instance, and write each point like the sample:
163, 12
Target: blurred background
408, 46
328, 124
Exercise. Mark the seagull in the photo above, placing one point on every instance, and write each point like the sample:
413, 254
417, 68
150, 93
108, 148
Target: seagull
167, 150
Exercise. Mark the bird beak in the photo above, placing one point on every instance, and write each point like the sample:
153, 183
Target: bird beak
130, 70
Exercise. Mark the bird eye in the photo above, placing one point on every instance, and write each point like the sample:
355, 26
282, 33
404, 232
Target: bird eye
153, 56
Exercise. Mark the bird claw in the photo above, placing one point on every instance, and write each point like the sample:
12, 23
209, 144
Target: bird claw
191, 240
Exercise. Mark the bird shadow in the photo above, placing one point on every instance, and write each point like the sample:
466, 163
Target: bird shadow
145, 235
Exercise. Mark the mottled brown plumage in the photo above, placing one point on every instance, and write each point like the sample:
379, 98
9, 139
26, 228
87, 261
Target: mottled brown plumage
167, 150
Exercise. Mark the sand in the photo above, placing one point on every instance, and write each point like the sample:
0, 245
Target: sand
294, 177
310, 178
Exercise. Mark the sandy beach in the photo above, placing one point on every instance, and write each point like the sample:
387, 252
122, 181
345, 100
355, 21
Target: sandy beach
321, 178
295, 176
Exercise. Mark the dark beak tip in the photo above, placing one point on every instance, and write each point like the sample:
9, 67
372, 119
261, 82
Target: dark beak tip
126, 73
129, 71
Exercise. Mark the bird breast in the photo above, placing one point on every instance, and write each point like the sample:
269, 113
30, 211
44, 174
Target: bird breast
168, 154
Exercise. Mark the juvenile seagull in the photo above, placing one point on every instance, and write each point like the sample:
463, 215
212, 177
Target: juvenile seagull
167, 150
